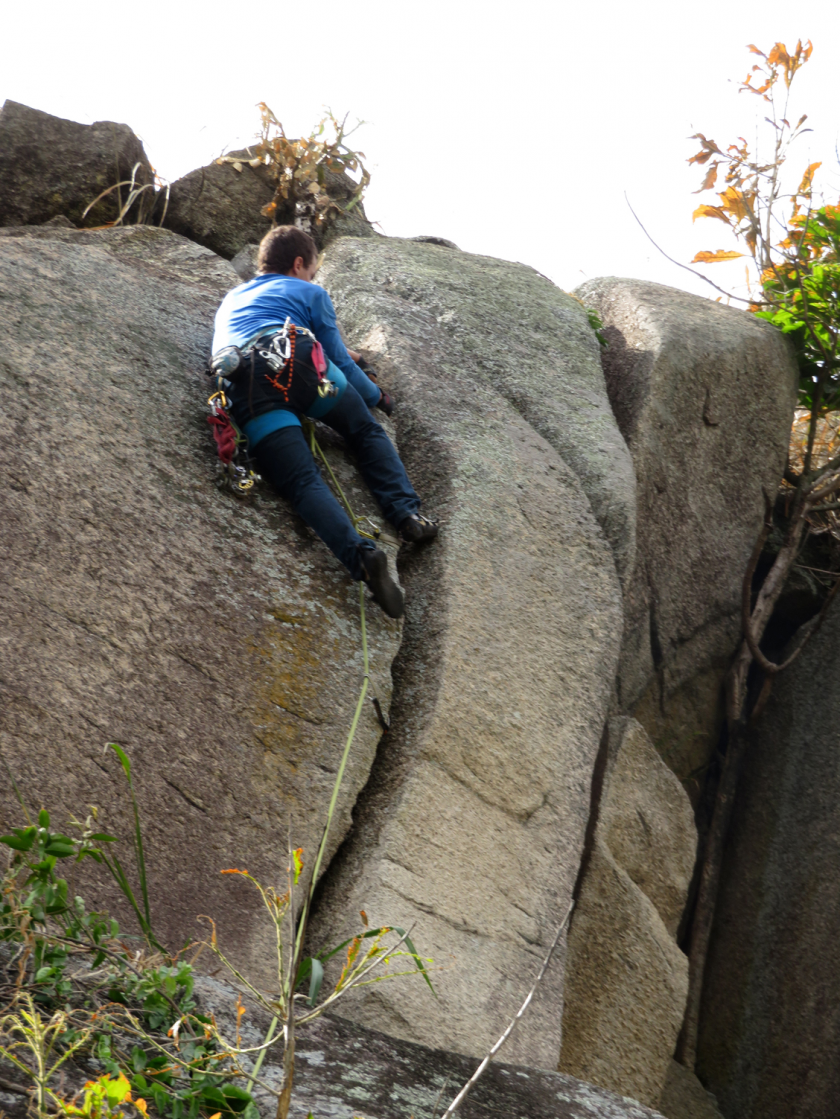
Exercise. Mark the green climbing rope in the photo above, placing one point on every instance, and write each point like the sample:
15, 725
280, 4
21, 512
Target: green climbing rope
304, 916
295, 961
377, 533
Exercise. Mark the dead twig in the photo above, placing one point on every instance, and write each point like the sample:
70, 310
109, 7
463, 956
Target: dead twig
476, 1076
10, 1086
685, 267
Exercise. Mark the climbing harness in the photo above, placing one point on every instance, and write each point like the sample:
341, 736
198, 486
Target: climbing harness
286, 366
236, 468
279, 354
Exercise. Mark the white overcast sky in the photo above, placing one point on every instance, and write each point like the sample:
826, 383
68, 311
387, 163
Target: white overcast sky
514, 129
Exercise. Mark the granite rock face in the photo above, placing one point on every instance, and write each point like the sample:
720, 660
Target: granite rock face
770, 1024
220, 207
626, 986
50, 166
471, 826
646, 820
217, 640
244, 263
627, 980
684, 1097
704, 396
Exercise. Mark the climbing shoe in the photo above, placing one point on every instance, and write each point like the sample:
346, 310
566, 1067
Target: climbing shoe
367, 369
385, 591
385, 404
416, 529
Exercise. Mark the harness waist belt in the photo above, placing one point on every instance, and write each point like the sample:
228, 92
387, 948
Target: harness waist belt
263, 425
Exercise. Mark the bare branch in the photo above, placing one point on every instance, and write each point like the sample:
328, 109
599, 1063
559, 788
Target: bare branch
758, 548
693, 271
764, 695
822, 487
459, 1099
10, 1086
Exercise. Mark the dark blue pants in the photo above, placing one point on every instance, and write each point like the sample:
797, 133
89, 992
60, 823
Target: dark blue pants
285, 460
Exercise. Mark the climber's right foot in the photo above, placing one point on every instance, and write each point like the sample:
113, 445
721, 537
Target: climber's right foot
385, 591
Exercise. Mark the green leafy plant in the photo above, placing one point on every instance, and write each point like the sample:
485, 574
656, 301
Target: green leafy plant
38, 1046
112, 862
792, 238
594, 320
103, 1098
801, 296
73, 988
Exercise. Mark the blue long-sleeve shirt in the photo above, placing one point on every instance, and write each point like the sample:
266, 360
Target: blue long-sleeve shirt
268, 300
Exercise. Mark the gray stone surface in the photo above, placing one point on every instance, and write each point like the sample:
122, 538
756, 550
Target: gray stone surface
471, 827
506, 328
645, 818
345, 1071
626, 986
220, 207
684, 1097
51, 166
770, 1025
627, 980
217, 640
685, 722
244, 263
704, 396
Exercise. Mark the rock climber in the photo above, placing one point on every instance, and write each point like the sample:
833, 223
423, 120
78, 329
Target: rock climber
262, 406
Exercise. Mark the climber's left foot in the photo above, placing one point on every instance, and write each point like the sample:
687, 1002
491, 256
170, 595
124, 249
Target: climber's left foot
417, 529
385, 591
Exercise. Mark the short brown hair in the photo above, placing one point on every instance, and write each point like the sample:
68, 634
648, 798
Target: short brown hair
281, 247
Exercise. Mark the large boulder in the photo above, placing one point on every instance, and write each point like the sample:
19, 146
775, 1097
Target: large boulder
505, 328
770, 1027
627, 980
626, 986
345, 1071
220, 206
704, 396
217, 640
50, 166
471, 827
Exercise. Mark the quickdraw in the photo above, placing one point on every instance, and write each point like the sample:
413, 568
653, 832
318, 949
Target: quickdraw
234, 466
288, 366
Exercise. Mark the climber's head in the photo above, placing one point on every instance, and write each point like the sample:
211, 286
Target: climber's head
289, 251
